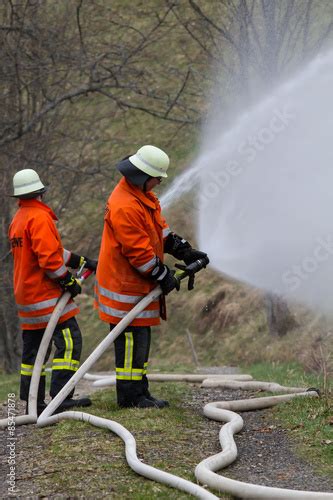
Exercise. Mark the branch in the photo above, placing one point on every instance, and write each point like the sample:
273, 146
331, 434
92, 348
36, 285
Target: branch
84, 89
220, 29
78, 8
157, 114
172, 105
4, 257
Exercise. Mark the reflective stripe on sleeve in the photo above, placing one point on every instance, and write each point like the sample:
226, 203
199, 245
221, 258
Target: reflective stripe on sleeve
66, 255
163, 274
166, 231
121, 314
38, 305
58, 273
145, 267
119, 297
46, 317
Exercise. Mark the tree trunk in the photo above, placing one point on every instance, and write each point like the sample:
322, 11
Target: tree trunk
10, 348
279, 318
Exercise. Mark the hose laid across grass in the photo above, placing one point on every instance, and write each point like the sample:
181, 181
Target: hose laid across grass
106, 380
205, 471
131, 456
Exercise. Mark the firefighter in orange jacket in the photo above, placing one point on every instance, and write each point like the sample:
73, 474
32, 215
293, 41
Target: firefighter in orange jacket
130, 265
40, 277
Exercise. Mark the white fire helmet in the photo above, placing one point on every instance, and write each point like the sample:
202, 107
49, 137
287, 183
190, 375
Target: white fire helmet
26, 182
151, 160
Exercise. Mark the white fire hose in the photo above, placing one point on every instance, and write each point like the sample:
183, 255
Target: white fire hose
31, 418
205, 471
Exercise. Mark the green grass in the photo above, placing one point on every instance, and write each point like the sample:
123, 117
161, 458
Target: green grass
166, 439
290, 374
9, 384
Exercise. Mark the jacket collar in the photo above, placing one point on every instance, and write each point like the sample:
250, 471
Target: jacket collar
37, 204
149, 199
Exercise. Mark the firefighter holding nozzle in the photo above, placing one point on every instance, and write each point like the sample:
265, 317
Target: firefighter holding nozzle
130, 265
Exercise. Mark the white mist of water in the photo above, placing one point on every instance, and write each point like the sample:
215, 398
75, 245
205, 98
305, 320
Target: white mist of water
265, 190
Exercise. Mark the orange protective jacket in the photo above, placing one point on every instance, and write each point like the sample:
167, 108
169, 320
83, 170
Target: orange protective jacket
133, 236
39, 259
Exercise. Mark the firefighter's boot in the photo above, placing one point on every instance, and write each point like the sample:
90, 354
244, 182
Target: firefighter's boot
160, 403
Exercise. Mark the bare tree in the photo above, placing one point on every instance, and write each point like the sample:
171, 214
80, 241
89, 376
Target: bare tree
68, 70
252, 45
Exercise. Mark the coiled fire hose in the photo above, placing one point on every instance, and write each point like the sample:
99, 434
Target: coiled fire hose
205, 471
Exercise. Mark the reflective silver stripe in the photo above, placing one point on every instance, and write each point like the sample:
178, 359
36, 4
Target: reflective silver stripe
64, 364
131, 374
133, 370
68, 343
166, 231
46, 317
66, 255
147, 265
38, 305
58, 273
163, 274
128, 351
153, 167
121, 314
119, 297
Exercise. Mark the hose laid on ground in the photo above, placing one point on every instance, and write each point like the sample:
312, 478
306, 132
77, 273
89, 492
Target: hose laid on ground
131, 456
222, 411
205, 471
252, 385
234, 420
227, 381
106, 380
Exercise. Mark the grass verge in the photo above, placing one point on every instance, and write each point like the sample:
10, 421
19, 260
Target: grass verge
308, 420
8, 384
166, 439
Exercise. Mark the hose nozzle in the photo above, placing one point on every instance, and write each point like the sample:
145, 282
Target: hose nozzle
190, 270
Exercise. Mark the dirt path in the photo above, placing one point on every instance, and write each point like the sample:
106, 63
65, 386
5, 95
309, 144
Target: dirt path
266, 454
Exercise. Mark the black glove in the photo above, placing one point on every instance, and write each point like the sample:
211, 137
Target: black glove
169, 282
70, 284
164, 277
175, 245
90, 263
75, 261
181, 249
191, 255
